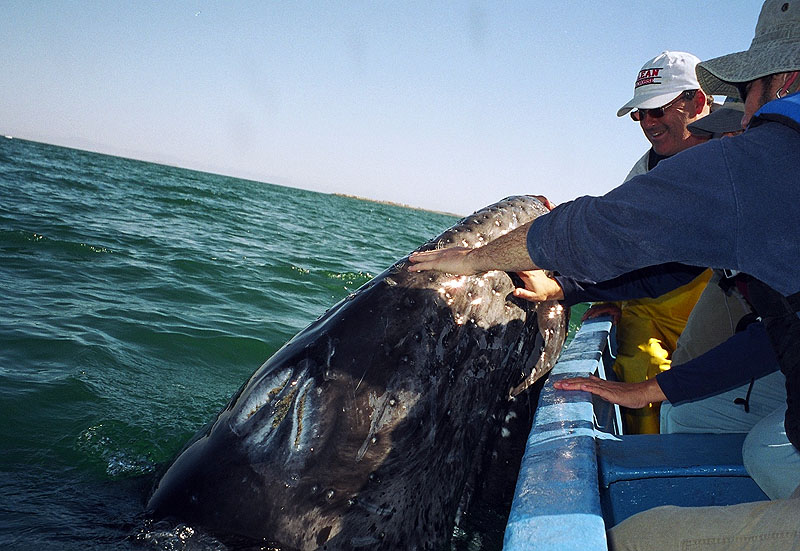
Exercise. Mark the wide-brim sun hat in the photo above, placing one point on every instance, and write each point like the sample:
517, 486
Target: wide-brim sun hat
775, 49
661, 79
725, 118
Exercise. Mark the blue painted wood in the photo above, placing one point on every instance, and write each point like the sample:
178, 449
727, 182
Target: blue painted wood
557, 490
661, 455
642, 471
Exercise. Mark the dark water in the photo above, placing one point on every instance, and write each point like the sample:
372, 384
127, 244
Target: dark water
134, 300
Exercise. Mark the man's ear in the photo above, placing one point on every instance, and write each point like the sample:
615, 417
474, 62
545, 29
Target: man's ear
791, 83
700, 99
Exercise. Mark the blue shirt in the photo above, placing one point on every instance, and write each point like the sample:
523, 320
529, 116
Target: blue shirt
731, 203
650, 282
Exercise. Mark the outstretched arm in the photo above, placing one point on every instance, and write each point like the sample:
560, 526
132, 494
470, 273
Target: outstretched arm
631, 395
508, 253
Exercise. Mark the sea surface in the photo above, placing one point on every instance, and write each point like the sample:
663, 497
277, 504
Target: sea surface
135, 299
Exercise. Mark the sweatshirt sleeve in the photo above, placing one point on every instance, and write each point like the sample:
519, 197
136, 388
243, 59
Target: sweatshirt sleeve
746, 355
684, 210
650, 282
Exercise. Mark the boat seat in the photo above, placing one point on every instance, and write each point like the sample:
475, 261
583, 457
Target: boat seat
637, 472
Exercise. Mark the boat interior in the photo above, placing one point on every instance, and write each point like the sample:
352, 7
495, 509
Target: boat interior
581, 474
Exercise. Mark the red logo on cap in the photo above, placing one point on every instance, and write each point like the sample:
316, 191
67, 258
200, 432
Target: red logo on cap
647, 76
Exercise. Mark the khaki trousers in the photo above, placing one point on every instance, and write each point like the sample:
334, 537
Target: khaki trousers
758, 526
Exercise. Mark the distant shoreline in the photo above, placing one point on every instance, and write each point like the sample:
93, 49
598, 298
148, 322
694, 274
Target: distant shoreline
93, 148
392, 203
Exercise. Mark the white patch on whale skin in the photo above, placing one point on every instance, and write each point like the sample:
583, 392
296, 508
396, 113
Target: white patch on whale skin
303, 427
287, 395
260, 395
387, 410
556, 311
452, 285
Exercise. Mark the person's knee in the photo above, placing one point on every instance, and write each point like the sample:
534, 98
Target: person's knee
665, 418
753, 449
680, 418
769, 457
757, 461
649, 530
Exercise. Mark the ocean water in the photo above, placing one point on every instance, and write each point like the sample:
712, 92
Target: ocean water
135, 299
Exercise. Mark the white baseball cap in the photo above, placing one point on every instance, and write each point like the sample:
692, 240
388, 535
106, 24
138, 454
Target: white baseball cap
661, 80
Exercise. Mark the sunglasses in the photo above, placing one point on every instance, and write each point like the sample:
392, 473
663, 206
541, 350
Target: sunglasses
744, 88
658, 112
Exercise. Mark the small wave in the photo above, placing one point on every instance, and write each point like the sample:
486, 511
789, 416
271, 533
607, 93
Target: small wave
101, 443
164, 536
350, 280
23, 239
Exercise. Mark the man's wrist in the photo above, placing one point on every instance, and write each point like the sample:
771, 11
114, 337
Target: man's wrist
653, 392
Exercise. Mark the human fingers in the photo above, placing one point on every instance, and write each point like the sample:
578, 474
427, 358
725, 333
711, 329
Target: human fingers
531, 291
422, 265
525, 294
545, 201
600, 387
433, 254
541, 286
425, 260
603, 310
420, 256
574, 383
632, 395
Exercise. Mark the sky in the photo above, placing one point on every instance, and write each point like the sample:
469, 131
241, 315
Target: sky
442, 105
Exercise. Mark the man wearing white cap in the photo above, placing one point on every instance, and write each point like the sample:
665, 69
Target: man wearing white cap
666, 98
733, 204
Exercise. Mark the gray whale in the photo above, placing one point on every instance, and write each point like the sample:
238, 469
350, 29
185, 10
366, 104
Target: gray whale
363, 430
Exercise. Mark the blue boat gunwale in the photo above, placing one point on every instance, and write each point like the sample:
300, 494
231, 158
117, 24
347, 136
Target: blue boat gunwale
580, 474
557, 493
